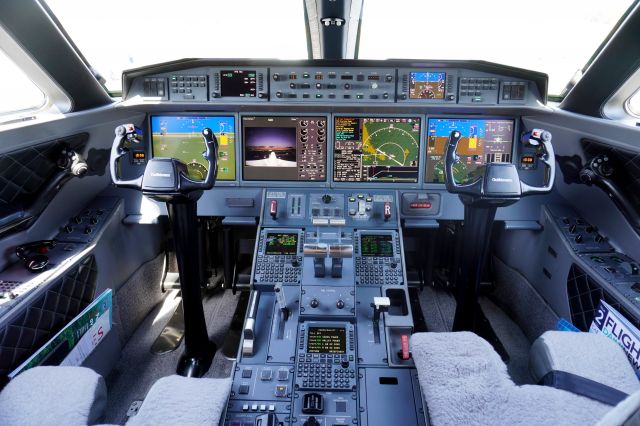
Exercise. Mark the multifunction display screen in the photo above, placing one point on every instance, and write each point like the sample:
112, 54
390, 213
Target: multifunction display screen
181, 137
483, 141
376, 149
376, 245
285, 243
426, 85
238, 83
285, 148
327, 340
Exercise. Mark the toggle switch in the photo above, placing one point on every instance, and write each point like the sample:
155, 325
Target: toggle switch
273, 209
387, 210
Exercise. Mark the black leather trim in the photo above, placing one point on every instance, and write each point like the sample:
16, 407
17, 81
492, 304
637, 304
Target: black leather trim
46, 315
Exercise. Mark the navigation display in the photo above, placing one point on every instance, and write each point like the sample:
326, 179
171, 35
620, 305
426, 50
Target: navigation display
376, 245
426, 85
238, 83
327, 340
483, 141
281, 243
284, 148
181, 137
376, 149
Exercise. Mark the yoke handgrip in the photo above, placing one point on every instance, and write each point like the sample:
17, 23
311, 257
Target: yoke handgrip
548, 157
123, 133
450, 158
210, 154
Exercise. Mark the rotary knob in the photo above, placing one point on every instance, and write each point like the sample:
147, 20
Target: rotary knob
314, 303
326, 198
340, 304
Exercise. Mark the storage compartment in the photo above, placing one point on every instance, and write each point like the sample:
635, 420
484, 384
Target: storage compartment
399, 303
382, 388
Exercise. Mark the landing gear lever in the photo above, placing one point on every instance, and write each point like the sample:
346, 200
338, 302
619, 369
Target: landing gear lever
166, 180
500, 186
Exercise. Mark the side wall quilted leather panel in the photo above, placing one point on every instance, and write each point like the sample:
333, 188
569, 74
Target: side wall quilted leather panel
47, 315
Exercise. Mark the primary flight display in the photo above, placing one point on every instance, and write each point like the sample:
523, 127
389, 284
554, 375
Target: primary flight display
376, 149
181, 137
483, 141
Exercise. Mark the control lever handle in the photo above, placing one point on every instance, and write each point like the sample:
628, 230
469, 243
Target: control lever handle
124, 133
210, 154
281, 300
319, 250
341, 251
451, 157
248, 333
379, 305
541, 139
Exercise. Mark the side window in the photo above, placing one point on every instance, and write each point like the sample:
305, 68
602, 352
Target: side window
19, 93
633, 104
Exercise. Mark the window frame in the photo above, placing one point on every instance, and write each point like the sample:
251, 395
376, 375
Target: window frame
55, 102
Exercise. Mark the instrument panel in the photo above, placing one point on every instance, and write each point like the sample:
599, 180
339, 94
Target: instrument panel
333, 149
340, 124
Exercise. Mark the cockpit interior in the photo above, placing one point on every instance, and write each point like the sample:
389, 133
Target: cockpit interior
319, 213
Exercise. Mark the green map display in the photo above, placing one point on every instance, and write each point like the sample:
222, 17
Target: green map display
377, 149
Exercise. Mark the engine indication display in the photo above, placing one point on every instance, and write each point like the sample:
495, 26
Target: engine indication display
284, 148
376, 149
427, 85
327, 340
181, 137
238, 83
483, 141
285, 243
376, 245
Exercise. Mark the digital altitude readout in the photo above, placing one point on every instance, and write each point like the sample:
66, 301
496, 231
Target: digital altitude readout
327, 340
281, 243
376, 245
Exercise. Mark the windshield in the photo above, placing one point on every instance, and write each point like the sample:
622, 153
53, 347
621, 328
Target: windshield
115, 35
557, 37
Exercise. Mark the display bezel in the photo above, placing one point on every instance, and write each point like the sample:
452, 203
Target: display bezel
421, 155
283, 183
230, 182
514, 145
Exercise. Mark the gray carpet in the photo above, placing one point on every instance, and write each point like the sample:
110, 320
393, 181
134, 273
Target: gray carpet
513, 339
517, 297
138, 368
438, 307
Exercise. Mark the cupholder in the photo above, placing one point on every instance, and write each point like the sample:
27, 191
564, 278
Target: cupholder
398, 298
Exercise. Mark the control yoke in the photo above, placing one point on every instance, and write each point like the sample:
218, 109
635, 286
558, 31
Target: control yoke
162, 176
166, 179
500, 184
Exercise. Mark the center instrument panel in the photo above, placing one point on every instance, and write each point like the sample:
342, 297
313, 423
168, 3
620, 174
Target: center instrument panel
328, 124
337, 160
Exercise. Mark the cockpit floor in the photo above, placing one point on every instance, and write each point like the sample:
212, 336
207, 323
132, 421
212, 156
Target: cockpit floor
138, 368
438, 307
